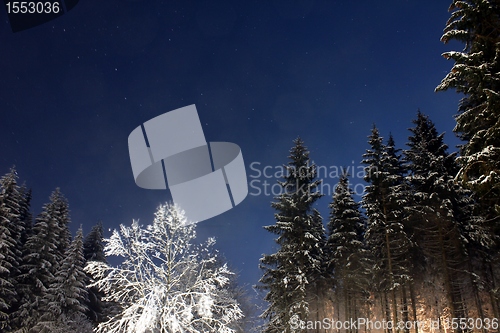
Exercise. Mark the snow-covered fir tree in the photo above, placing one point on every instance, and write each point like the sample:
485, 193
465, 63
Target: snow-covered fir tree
42, 257
166, 283
291, 276
476, 74
93, 250
63, 305
444, 213
346, 253
386, 236
61, 213
26, 223
402, 196
10, 252
93, 245
25, 216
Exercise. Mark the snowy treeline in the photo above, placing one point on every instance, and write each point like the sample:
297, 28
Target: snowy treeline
416, 247
165, 283
423, 243
41, 268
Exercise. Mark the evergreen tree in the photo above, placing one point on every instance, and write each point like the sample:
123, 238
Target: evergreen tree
25, 222
386, 236
292, 273
345, 248
444, 212
60, 212
25, 216
43, 256
93, 250
10, 254
476, 74
93, 245
64, 301
402, 197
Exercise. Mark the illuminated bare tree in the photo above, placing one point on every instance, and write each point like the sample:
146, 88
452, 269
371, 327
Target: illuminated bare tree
165, 283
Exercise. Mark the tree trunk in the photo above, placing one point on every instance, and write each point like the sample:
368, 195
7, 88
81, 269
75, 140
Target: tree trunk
387, 311
404, 307
493, 287
391, 272
346, 306
413, 305
448, 284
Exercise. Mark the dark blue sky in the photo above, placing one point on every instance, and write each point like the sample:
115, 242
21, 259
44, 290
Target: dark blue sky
261, 73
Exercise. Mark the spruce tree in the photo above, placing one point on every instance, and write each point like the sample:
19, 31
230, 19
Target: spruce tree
386, 235
93, 246
60, 212
43, 256
25, 222
443, 210
10, 254
345, 249
25, 215
63, 302
476, 74
93, 250
291, 274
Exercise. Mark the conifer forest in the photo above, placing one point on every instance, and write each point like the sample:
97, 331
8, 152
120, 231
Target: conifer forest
418, 251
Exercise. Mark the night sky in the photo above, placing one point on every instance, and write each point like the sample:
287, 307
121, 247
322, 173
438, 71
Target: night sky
261, 73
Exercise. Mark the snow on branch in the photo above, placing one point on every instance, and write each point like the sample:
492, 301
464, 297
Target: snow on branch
165, 282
